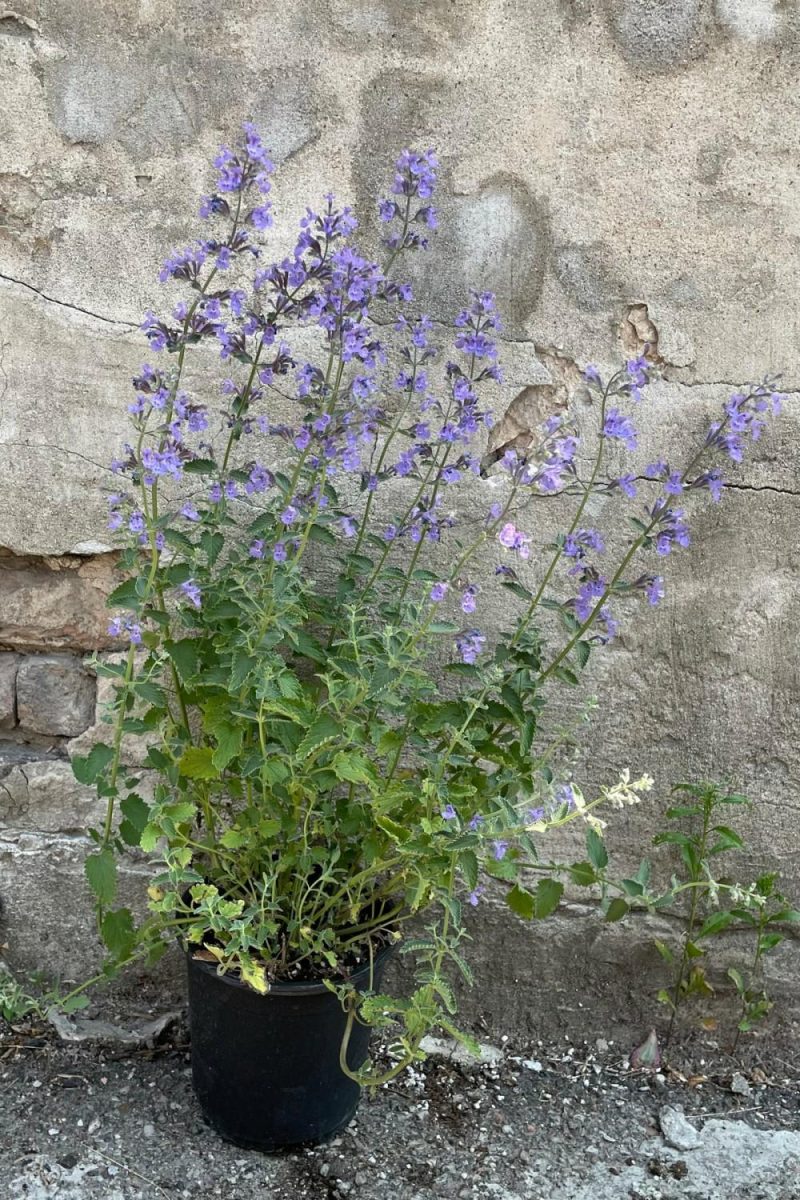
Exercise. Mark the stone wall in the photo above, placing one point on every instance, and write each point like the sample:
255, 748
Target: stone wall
619, 171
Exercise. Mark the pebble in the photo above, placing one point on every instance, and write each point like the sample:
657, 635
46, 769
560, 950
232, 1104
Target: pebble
678, 1132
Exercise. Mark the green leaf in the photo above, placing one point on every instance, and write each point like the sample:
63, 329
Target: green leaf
583, 873
521, 902
443, 627
200, 466
234, 839
320, 533
353, 767
736, 976
714, 923
664, 950
513, 702
101, 871
118, 932
526, 735
548, 894
125, 595
468, 862
88, 770
617, 909
397, 832
196, 762
582, 651
135, 812
229, 743
664, 997
324, 729
184, 655
595, 846
212, 544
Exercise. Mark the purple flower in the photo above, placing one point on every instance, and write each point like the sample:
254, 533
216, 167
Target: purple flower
672, 528
618, 426
192, 593
474, 897
290, 514
654, 589
591, 373
190, 512
565, 794
674, 484
279, 552
257, 548
475, 822
534, 815
500, 848
591, 591
627, 484
513, 539
121, 625
468, 602
469, 645
136, 522
576, 544
349, 527
656, 470
449, 813
438, 592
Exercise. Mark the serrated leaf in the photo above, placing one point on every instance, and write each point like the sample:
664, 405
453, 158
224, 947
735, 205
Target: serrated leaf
324, 730
233, 839
595, 846
196, 762
88, 770
200, 466
548, 894
583, 873
617, 909
135, 812
229, 743
468, 861
521, 902
118, 932
184, 655
125, 595
352, 767
101, 872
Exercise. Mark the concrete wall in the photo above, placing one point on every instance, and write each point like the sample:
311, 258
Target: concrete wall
619, 171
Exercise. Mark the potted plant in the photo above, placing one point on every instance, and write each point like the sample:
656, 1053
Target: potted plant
341, 751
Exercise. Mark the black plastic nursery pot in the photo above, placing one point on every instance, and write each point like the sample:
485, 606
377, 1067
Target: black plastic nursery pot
266, 1067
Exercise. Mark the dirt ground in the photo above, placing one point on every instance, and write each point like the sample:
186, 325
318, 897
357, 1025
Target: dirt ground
564, 1120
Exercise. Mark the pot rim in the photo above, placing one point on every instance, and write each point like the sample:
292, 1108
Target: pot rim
299, 987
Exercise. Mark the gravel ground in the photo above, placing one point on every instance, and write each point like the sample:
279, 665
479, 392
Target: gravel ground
540, 1121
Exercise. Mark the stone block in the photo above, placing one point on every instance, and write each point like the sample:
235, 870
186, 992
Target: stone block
8, 690
55, 603
57, 937
55, 696
43, 795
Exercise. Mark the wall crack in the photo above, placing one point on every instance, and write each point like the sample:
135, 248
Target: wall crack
66, 304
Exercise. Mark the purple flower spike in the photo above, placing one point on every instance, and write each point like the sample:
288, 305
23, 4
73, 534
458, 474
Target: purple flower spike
469, 645
192, 593
618, 426
654, 589
468, 602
